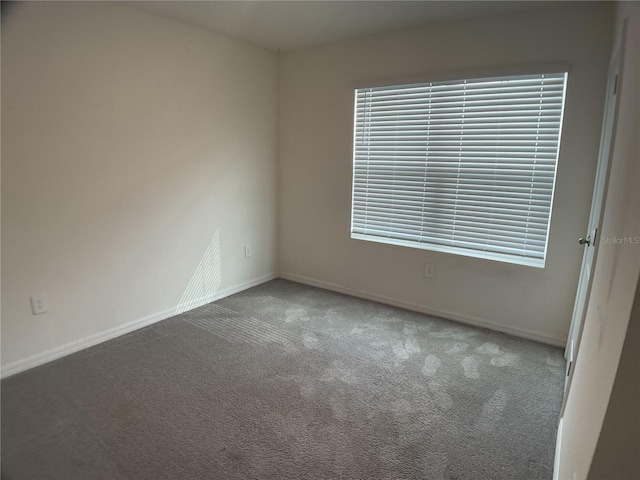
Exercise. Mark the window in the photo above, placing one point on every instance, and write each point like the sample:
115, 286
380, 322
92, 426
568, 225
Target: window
465, 166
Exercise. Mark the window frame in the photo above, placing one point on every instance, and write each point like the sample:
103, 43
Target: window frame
556, 68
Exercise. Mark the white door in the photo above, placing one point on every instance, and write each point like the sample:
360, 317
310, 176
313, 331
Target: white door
591, 240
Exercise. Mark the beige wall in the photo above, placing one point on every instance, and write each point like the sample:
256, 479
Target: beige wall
138, 158
315, 160
616, 455
614, 285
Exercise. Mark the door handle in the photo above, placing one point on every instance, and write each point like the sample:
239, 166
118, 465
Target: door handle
585, 241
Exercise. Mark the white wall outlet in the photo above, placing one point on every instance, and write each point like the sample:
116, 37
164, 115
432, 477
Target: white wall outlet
39, 304
429, 270
247, 251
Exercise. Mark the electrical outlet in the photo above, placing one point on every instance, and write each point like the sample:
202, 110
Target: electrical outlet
39, 303
247, 251
429, 270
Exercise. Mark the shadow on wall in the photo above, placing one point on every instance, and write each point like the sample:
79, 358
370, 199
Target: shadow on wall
206, 280
6, 9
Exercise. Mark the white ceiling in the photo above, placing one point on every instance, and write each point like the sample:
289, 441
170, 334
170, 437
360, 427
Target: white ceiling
288, 25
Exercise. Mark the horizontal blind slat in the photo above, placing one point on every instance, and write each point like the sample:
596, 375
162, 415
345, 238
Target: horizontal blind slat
464, 164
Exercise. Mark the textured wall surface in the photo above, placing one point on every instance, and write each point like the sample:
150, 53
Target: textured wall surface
138, 158
315, 166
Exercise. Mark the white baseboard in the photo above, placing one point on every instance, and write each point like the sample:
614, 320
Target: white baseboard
478, 322
86, 342
556, 459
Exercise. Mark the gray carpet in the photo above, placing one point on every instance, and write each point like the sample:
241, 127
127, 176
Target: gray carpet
285, 381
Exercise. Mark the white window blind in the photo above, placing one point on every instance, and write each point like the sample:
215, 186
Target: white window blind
464, 166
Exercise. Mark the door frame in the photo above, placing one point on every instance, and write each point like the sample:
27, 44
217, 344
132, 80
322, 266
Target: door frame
601, 184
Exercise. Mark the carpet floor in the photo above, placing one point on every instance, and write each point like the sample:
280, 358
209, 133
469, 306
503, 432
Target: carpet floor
286, 381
